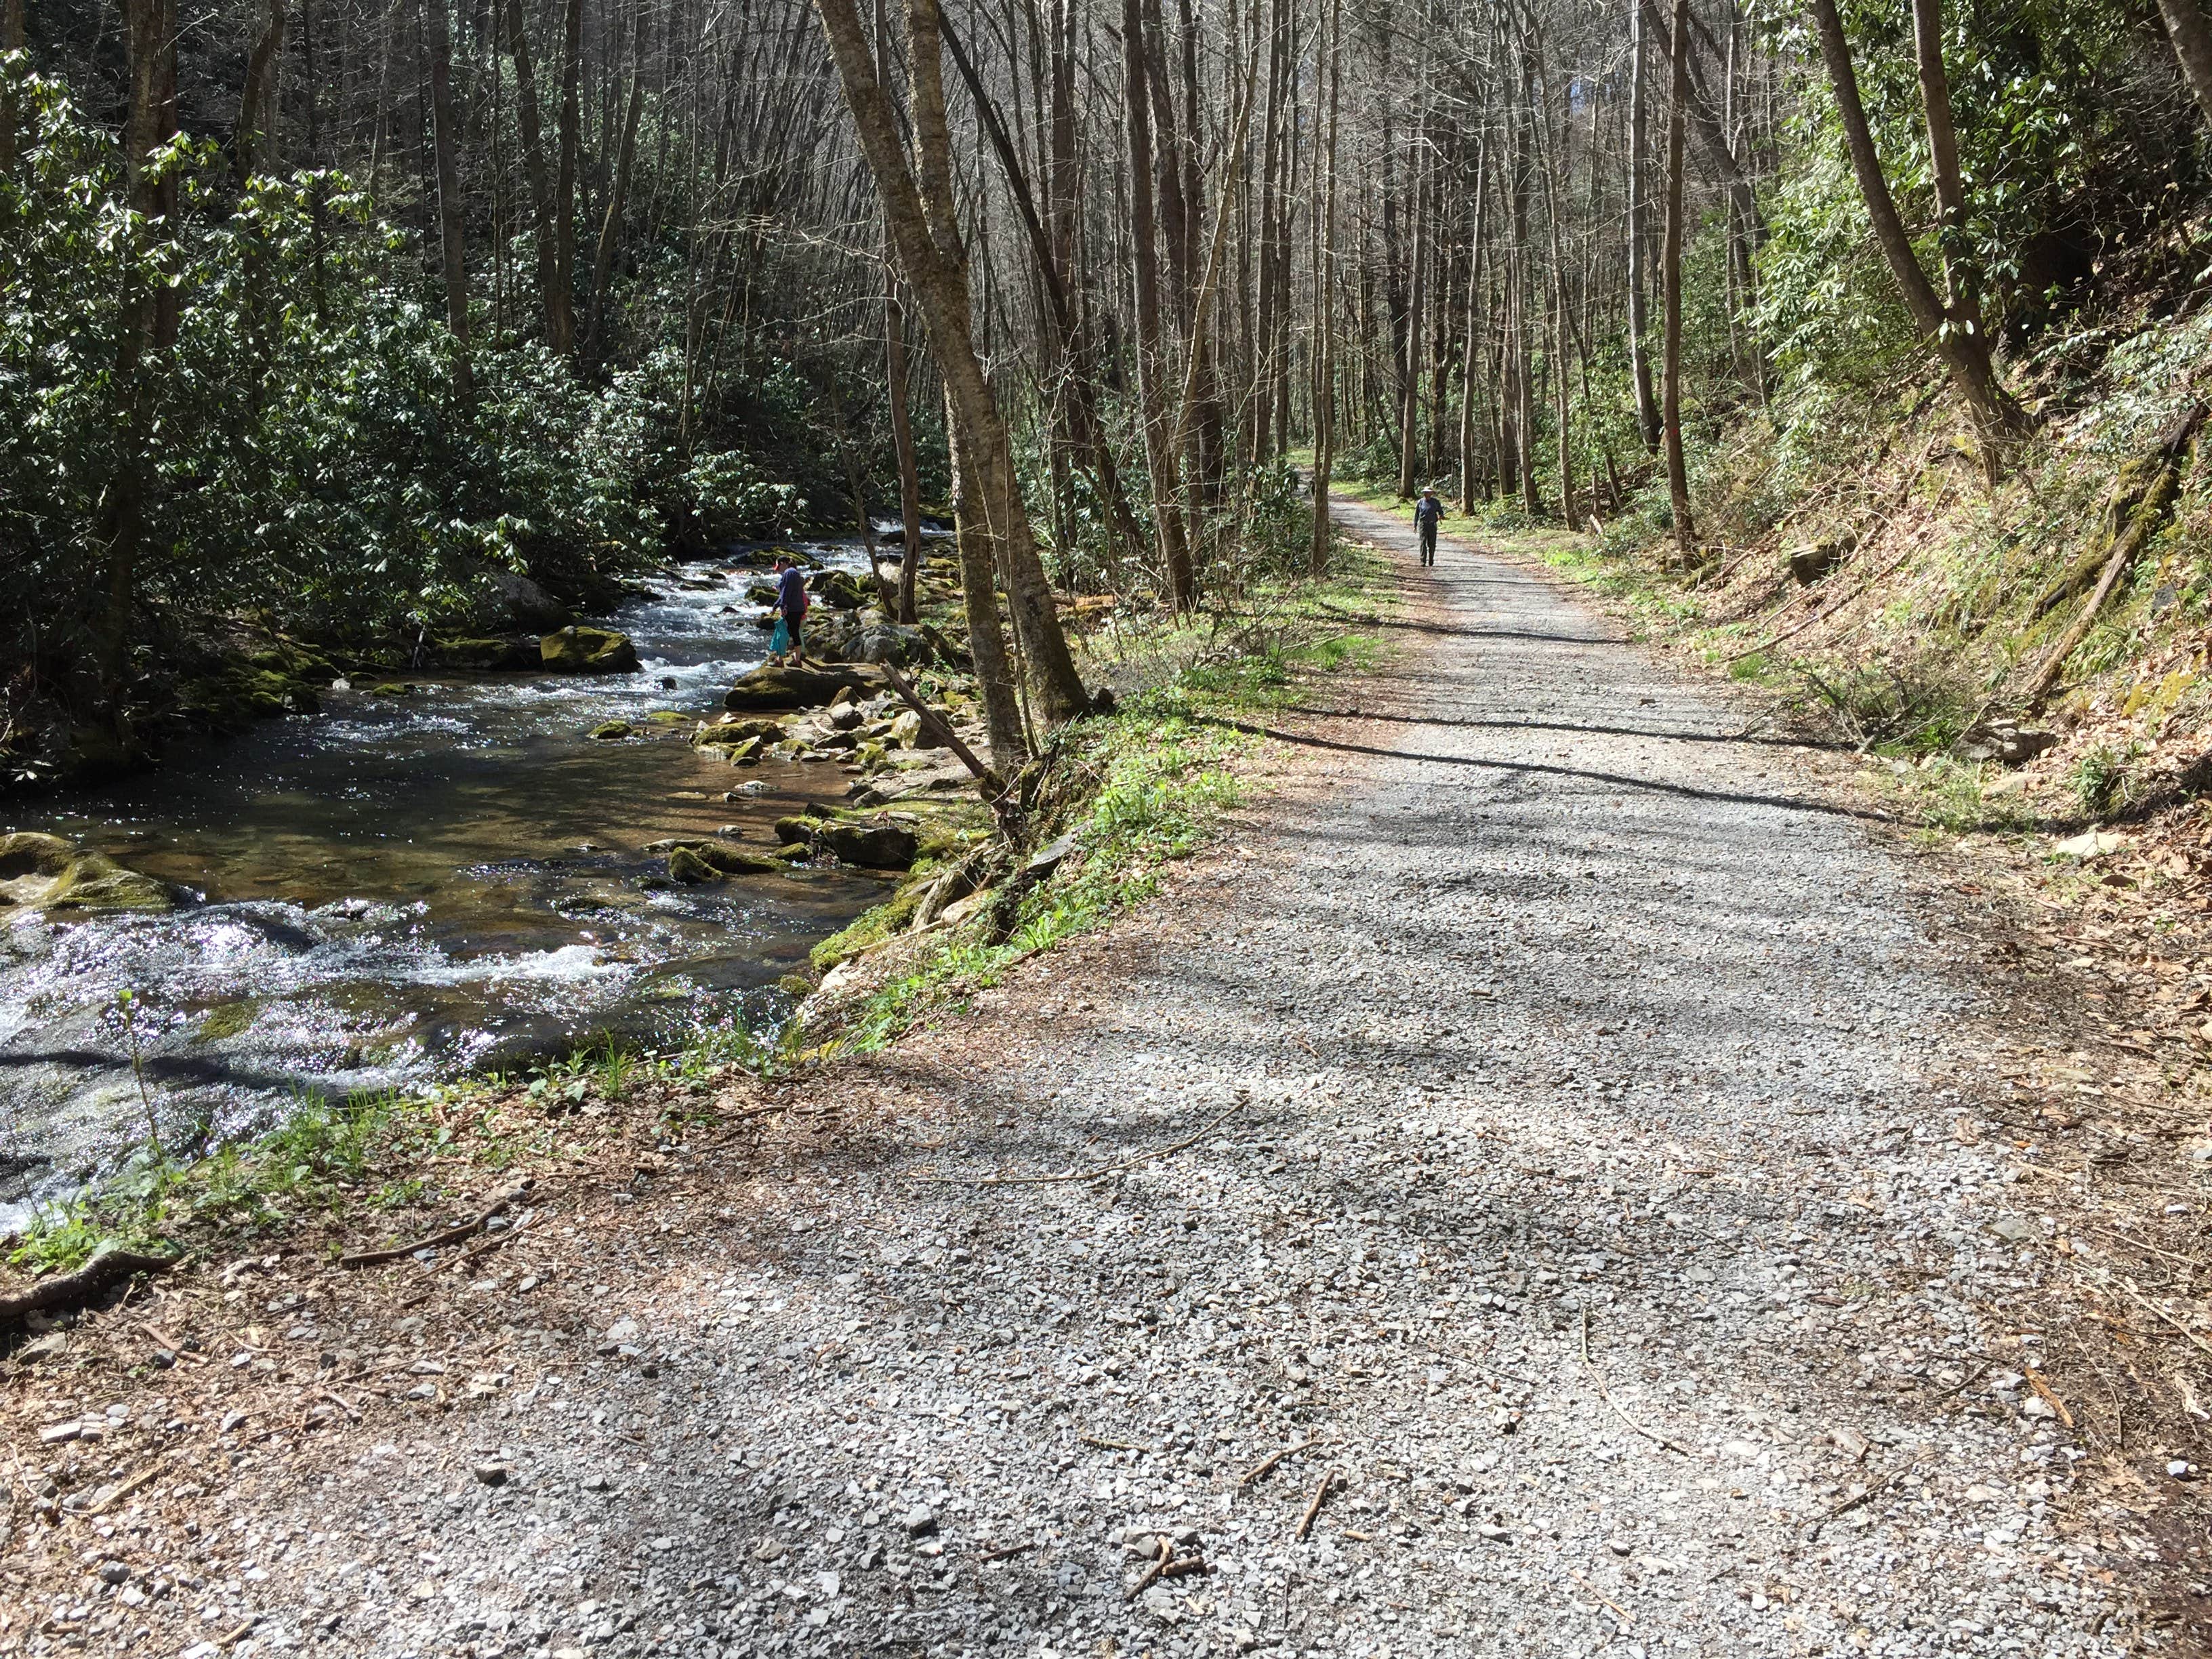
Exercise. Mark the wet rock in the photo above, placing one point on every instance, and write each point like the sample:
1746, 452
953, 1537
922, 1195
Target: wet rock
392, 689
696, 862
734, 734
874, 845
49, 873
518, 602
581, 650
610, 730
770, 689
494, 652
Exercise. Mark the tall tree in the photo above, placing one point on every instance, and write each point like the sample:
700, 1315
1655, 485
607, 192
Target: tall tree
2192, 36
1678, 475
444, 140
1956, 335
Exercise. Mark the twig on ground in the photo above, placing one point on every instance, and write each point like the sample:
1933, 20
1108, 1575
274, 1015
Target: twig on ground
1813, 1533
341, 1402
1269, 1462
1112, 1445
115, 1495
1102, 1171
448, 1236
1313, 1509
169, 1344
1152, 1573
1611, 1605
1598, 1382
1006, 1551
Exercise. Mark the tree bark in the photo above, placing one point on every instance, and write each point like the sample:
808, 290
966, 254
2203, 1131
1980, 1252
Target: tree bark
603, 262
560, 321
1161, 461
452, 210
895, 383
1678, 478
253, 96
1639, 323
1329, 60
2192, 44
1965, 349
918, 208
561, 308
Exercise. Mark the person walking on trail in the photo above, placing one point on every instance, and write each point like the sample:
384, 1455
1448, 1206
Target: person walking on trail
790, 610
1426, 514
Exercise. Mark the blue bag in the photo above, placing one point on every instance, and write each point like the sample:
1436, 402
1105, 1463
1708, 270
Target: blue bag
780, 642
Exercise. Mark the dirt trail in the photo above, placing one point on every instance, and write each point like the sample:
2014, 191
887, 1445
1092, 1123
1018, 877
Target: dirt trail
1575, 1184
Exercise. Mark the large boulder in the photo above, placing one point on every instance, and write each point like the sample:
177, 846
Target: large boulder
872, 843
579, 650
54, 875
840, 589
519, 602
773, 690
512, 651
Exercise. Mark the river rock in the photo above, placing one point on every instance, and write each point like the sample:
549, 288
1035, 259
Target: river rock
771, 687
840, 589
581, 650
695, 862
612, 729
873, 844
511, 651
519, 602
728, 733
49, 873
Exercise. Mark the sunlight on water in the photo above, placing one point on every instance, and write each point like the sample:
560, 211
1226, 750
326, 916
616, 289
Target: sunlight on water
405, 886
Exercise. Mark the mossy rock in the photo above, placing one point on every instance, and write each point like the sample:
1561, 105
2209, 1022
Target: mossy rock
492, 652
579, 650
49, 873
771, 688
608, 731
392, 689
697, 862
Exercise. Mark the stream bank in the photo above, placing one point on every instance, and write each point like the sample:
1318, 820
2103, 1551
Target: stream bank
430, 875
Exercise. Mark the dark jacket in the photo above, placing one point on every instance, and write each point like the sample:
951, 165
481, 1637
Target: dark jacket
791, 592
1427, 511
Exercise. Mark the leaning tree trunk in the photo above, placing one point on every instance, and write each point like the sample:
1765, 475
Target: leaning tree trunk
2192, 44
1965, 350
918, 208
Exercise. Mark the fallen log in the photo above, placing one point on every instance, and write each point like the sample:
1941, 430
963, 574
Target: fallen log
2135, 521
109, 1263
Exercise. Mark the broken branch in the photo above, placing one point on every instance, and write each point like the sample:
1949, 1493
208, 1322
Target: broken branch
449, 1236
109, 1263
1313, 1509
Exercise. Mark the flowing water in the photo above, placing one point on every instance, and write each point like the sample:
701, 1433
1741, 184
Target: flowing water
402, 888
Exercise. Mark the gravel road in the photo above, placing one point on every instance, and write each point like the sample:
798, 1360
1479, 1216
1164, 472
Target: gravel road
1545, 1117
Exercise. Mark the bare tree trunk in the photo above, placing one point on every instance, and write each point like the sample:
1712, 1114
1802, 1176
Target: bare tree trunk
1328, 59
559, 322
452, 210
919, 211
602, 262
1639, 325
254, 95
2192, 44
1409, 401
1965, 349
894, 380
1162, 461
1677, 477
561, 308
